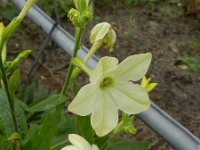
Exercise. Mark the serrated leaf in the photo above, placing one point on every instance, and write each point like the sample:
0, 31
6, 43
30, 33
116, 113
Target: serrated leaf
48, 103
125, 145
42, 137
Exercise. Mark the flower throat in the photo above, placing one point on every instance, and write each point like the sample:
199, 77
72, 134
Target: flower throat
106, 82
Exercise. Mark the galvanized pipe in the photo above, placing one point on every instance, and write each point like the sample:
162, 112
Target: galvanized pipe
163, 124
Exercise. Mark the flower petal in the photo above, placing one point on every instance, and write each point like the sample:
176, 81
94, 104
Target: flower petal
133, 67
130, 98
84, 101
79, 142
70, 147
104, 118
94, 147
99, 31
104, 66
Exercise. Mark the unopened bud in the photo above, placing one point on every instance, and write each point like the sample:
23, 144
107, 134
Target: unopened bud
103, 32
74, 16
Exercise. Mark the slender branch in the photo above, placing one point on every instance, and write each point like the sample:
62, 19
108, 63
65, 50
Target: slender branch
78, 35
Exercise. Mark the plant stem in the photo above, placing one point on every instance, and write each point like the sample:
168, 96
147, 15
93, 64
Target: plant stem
78, 35
10, 100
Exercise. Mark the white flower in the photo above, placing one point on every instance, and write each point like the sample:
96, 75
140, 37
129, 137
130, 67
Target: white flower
79, 143
111, 89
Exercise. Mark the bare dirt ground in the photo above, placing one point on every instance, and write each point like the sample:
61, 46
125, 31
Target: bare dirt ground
167, 35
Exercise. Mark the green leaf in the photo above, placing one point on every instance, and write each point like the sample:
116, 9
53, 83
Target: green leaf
6, 120
4, 143
84, 128
14, 82
42, 136
33, 91
5, 114
189, 62
48, 103
65, 127
20, 57
21, 121
125, 145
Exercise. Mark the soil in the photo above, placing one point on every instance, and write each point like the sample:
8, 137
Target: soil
167, 35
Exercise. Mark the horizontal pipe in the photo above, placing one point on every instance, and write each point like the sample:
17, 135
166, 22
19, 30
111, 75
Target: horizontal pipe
173, 132
163, 124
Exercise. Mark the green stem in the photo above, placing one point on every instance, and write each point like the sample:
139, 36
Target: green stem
78, 35
90, 53
10, 100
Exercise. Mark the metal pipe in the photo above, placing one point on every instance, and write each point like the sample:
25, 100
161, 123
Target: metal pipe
173, 132
167, 127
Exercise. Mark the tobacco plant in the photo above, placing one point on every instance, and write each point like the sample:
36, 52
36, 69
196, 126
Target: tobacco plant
99, 111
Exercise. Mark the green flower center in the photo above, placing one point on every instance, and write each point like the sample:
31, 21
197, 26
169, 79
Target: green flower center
106, 82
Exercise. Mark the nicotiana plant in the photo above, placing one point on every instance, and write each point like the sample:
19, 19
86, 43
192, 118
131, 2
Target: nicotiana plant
99, 111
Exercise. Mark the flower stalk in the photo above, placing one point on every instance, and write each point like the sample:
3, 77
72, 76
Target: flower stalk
78, 35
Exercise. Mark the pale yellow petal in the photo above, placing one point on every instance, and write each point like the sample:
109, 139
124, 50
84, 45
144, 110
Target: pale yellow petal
133, 67
99, 31
130, 98
94, 147
105, 65
79, 142
110, 40
70, 147
84, 101
104, 118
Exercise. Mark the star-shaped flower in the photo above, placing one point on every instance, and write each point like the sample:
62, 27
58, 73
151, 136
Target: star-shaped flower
79, 143
111, 89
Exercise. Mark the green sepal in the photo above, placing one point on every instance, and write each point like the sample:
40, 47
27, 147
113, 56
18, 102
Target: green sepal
125, 125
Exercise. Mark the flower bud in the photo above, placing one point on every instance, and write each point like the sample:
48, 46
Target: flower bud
110, 40
103, 32
74, 16
99, 32
145, 83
